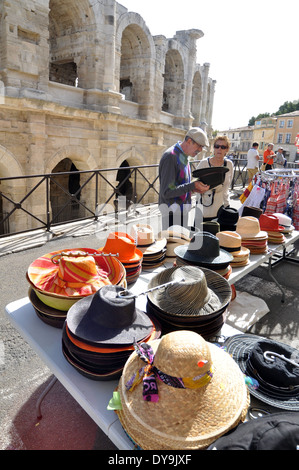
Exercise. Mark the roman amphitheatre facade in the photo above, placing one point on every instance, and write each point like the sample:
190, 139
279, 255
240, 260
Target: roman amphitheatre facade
85, 86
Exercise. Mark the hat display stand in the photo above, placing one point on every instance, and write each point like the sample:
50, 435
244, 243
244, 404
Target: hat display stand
128, 253
51, 278
197, 300
99, 333
153, 249
198, 393
253, 238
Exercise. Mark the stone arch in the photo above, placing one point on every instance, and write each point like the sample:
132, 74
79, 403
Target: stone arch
70, 159
134, 158
72, 34
135, 53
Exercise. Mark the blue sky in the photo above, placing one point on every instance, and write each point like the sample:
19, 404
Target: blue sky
252, 49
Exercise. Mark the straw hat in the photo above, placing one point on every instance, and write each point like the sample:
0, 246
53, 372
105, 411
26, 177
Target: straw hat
231, 242
249, 227
265, 361
175, 235
143, 234
204, 250
201, 394
190, 294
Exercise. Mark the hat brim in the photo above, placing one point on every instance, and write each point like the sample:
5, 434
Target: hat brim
239, 347
84, 327
211, 176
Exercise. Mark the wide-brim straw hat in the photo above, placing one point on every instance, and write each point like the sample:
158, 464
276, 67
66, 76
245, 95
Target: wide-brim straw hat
193, 292
62, 277
204, 250
278, 380
249, 228
183, 418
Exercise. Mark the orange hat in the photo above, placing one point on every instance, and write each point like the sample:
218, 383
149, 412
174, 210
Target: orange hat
124, 245
74, 272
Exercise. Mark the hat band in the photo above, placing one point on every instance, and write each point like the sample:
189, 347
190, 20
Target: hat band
230, 249
150, 373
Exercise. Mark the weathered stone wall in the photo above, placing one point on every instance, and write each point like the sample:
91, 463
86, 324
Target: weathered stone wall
88, 82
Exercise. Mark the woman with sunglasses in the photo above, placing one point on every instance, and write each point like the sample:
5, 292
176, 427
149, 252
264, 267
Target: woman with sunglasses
212, 199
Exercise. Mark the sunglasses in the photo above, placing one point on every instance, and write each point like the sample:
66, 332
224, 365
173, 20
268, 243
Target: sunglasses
223, 147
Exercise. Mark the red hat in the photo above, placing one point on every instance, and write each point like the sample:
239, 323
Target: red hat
270, 223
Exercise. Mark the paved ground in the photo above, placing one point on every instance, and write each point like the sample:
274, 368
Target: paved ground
23, 376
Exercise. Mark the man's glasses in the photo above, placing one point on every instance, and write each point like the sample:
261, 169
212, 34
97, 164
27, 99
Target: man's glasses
223, 147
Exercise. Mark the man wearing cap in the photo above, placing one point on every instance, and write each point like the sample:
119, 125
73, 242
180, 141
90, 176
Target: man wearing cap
269, 156
279, 159
175, 178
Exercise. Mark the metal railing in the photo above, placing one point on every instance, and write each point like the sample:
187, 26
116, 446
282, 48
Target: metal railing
44, 201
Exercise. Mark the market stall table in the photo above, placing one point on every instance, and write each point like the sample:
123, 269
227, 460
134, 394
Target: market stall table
94, 396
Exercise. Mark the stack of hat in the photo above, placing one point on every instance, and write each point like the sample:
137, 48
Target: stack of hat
232, 243
181, 393
227, 218
61, 278
253, 238
284, 221
100, 331
204, 251
176, 235
274, 367
153, 250
196, 299
270, 224
129, 255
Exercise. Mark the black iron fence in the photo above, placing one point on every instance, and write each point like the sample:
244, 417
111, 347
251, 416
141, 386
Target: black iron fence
43, 201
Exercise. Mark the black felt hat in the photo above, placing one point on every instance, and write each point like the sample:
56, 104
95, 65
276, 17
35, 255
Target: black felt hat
268, 362
252, 211
213, 176
275, 431
227, 218
108, 318
204, 250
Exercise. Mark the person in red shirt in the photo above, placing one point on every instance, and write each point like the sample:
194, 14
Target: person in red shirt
268, 157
